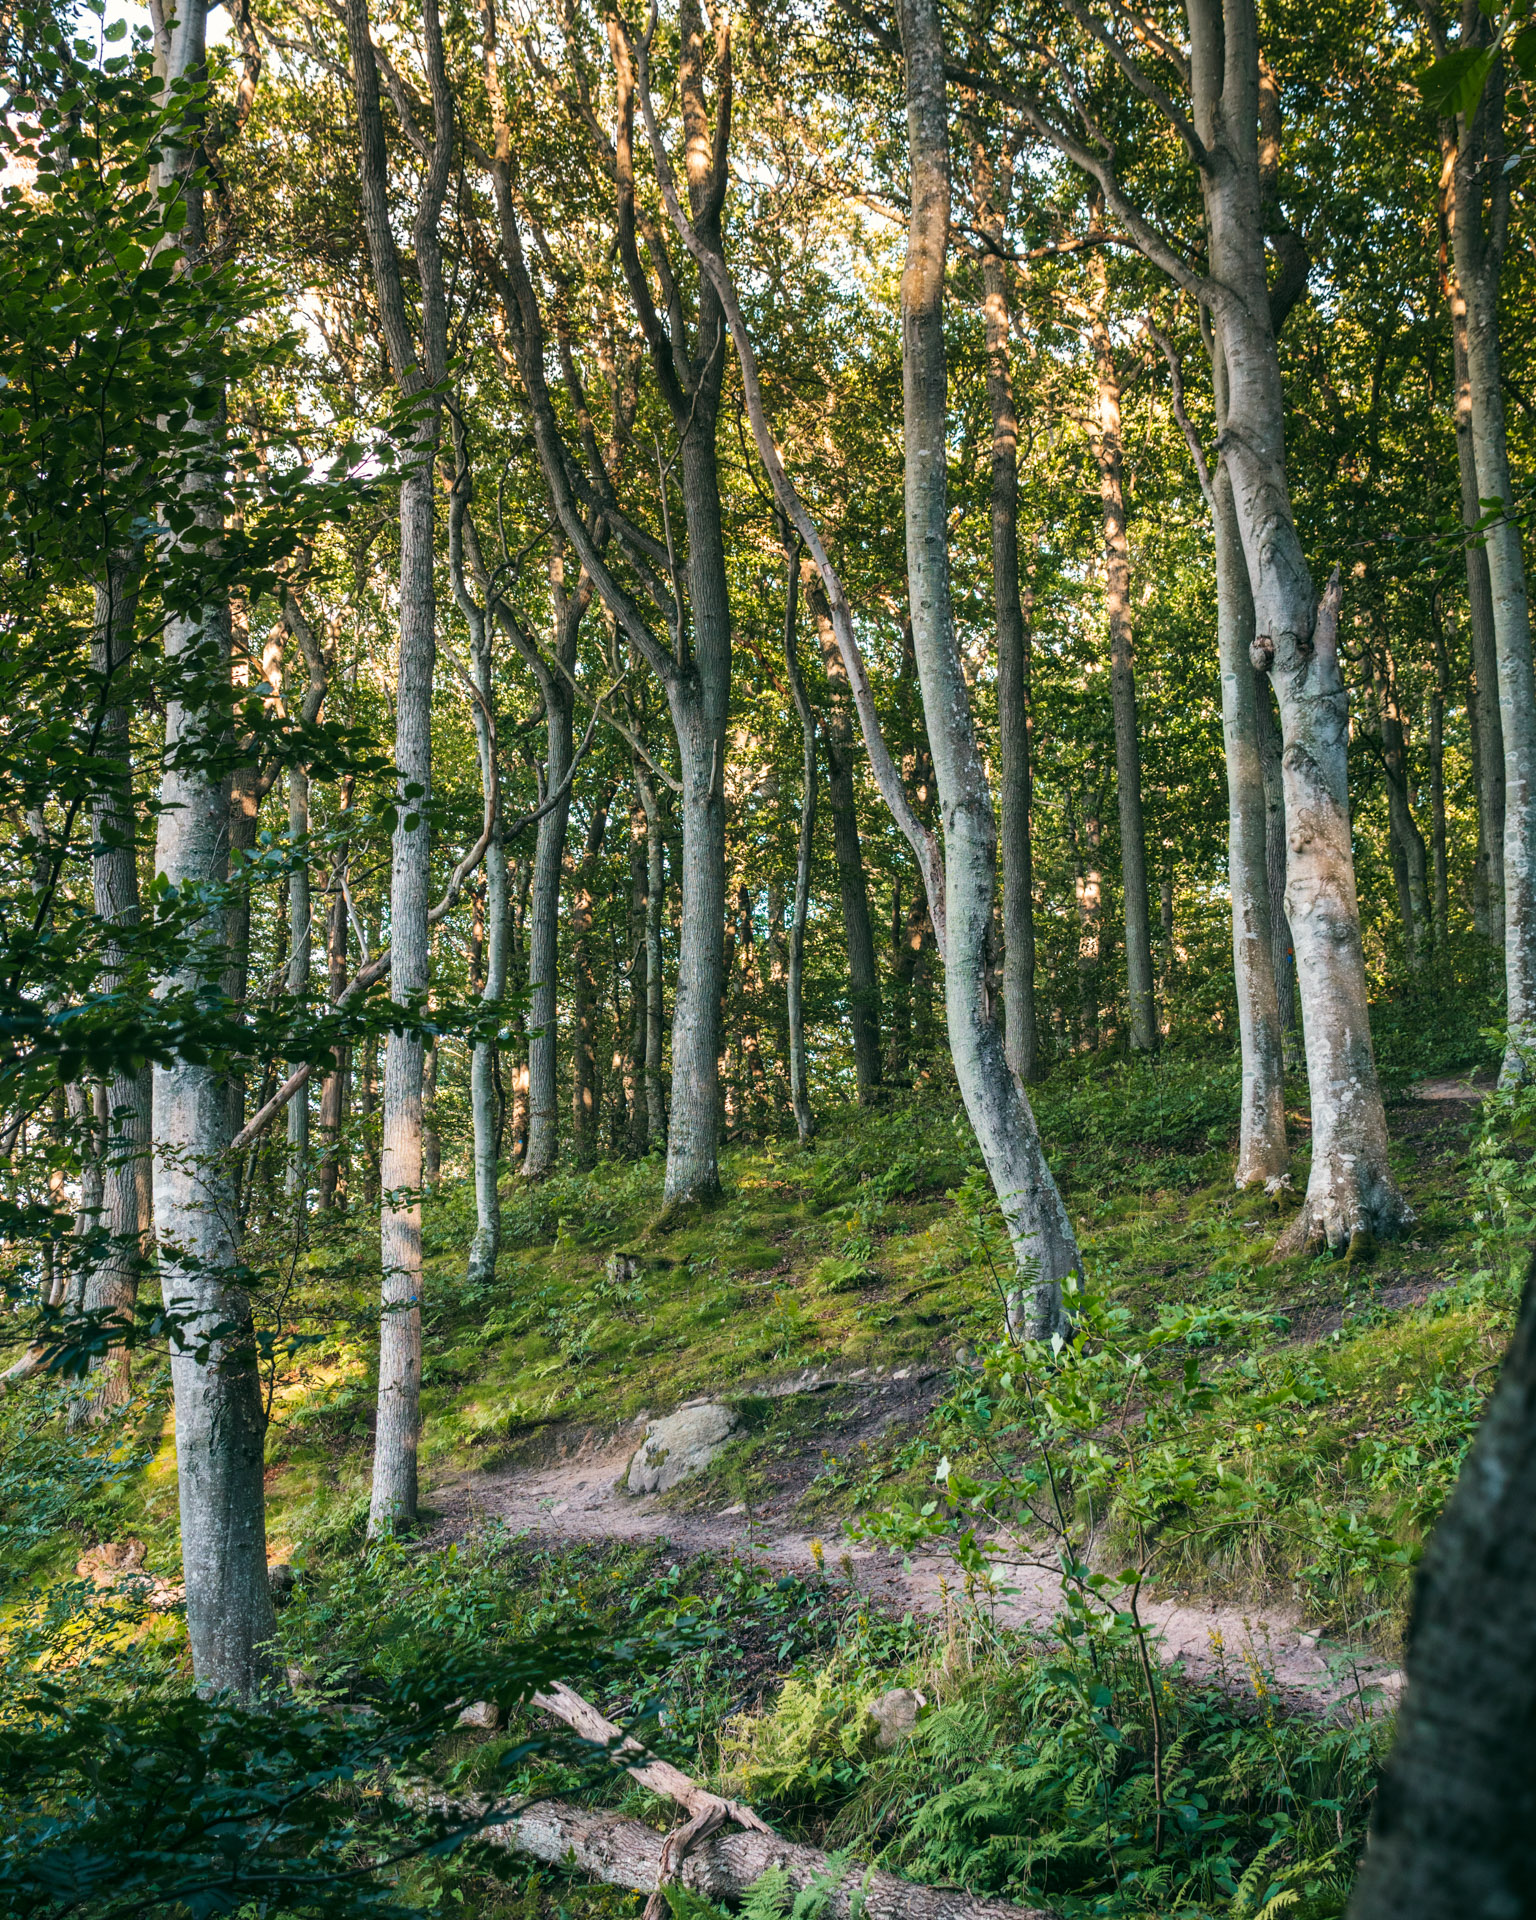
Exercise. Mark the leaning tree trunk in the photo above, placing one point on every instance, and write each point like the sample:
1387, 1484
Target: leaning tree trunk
1043, 1242
1140, 989
847, 848
112, 1287
544, 944
417, 372
794, 986
220, 1421
1456, 1807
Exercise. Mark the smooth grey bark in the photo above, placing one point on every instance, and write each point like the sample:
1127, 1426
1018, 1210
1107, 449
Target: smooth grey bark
585, 1086
992, 191
1281, 951
220, 1420
1479, 236
1439, 699
417, 371
794, 985
1456, 1807
1410, 860
300, 938
1108, 454
695, 668
1487, 729
848, 849
544, 951
126, 1164
1044, 1246
655, 984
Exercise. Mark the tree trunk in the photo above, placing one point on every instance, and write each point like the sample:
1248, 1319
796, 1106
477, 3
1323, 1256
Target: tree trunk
1438, 699
1409, 859
1479, 248
1106, 437
1352, 1199
584, 1081
417, 370
300, 935
431, 1139
112, 1287
1456, 1807
544, 945
1283, 957
655, 985
1015, 774
794, 995
1263, 1155
220, 1421
1487, 729
847, 847
486, 1245
330, 1183
1044, 1247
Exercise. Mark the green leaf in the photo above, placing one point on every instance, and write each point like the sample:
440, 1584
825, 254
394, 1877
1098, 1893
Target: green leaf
1454, 84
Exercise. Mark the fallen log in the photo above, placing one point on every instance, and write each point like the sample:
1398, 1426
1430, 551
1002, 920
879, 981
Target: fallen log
723, 1865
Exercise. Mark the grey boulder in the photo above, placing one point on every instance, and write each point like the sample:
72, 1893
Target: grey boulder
684, 1442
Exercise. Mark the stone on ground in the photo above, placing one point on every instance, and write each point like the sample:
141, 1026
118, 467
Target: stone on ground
683, 1443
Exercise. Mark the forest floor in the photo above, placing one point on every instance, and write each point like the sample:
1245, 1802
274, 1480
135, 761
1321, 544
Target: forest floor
841, 1303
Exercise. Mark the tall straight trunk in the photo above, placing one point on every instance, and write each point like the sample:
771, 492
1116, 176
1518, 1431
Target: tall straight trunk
484, 1102
418, 370
112, 1287
220, 1420
1487, 729
1352, 1198
587, 1002
1479, 235
794, 985
1263, 1154
1409, 858
1107, 448
655, 1006
333, 1093
1015, 774
1451, 1831
1282, 954
544, 945
847, 848
300, 936
636, 1130
1044, 1246
1438, 700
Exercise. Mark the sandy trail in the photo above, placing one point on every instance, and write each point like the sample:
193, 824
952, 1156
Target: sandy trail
577, 1497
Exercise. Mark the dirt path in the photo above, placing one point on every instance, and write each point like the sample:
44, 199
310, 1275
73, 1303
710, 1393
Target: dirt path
574, 1495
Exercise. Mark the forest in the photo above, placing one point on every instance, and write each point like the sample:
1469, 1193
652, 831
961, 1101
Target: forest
768, 913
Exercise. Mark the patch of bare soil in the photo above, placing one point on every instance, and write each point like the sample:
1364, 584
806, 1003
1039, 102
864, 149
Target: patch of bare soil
570, 1491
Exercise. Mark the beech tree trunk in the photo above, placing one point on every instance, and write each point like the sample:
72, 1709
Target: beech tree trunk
1487, 729
300, 936
1106, 437
1456, 1807
1479, 235
1280, 946
128, 1193
794, 997
584, 1081
418, 370
847, 848
1015, 775
655, 985
220, 1421
1352, 1199
333, 1093
544, 945
1044, 1246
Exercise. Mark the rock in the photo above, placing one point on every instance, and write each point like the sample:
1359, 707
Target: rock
895, 1716
683, 1443
484, 1714
280, 1580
